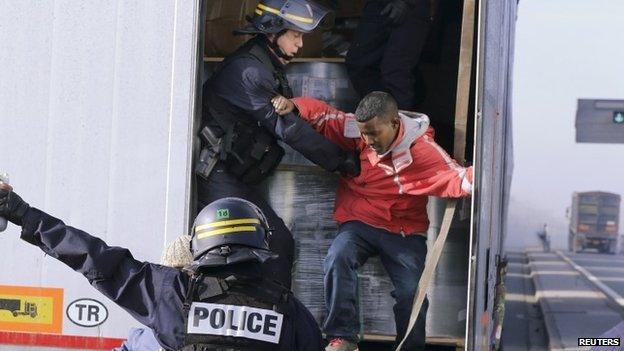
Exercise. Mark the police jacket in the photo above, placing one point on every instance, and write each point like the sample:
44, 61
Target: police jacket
241, 89
154, 295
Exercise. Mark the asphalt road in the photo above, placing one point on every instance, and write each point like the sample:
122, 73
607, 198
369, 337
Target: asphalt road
554, 298
608, 269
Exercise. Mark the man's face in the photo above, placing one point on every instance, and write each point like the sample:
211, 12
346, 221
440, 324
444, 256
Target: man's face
290, 42
379, 132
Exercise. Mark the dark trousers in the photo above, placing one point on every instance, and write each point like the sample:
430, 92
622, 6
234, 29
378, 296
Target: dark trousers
382, 57
222, 184
404, 260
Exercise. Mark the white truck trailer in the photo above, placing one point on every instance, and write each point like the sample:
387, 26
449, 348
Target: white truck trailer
98, 109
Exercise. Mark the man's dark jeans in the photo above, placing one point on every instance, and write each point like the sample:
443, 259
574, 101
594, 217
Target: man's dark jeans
403, 259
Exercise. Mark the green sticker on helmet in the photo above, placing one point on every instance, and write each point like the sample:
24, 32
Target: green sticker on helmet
223, 213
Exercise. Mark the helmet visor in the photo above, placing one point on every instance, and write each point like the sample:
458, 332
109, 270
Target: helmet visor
300, 15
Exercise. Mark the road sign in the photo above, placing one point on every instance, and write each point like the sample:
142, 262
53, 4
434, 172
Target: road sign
600, 121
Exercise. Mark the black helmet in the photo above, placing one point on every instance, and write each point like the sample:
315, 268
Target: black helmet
230, 230
274, 16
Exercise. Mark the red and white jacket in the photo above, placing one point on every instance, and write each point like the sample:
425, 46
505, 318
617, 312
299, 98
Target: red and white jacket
391, 191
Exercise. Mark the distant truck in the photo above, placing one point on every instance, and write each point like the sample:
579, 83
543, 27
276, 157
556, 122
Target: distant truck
594, 221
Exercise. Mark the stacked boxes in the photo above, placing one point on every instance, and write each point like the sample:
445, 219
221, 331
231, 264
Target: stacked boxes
303, 195
223, 17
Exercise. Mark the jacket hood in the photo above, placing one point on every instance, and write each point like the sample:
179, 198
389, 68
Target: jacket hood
415, 125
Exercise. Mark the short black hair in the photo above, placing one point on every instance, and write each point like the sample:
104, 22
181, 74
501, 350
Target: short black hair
376, 103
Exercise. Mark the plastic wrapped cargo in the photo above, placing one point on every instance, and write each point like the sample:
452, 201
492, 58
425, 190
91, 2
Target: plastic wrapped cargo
325, 81
303, 195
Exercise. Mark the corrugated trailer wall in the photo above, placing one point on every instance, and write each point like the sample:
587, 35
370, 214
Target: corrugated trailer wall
494, 163
96, 104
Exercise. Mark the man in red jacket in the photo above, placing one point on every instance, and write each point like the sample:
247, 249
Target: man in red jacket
383, 210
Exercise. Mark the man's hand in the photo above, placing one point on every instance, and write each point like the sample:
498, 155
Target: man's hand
395, 12
12, 207
350, 164
282, 105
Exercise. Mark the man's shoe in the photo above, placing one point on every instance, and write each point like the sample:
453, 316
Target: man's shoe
340, 344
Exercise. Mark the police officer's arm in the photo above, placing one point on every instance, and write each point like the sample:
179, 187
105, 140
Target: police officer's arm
249, 86
147, 291
138, 287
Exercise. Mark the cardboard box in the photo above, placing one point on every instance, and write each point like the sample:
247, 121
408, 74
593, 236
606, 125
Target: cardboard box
219, 9
223, 17
219, 38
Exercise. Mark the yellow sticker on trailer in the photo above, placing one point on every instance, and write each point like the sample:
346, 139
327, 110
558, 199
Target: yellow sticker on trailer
31, 309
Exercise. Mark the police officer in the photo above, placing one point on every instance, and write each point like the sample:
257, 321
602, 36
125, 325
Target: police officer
386, 48
222, 302
241, 128
177, 255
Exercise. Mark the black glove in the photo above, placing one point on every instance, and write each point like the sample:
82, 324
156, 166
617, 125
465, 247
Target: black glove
395, 12
350, 164
12, 207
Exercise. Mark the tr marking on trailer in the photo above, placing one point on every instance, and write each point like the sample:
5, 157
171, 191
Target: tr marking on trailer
87, 312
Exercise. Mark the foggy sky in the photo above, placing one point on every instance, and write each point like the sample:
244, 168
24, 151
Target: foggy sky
564, 50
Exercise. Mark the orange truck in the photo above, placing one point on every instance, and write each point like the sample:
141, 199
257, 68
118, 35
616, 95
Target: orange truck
594, 220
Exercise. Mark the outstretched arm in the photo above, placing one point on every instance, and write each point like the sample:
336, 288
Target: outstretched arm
147, 291
435, 173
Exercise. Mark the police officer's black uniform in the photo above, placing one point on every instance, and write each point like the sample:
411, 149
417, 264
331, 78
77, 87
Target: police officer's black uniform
386, 48
237, 110
224, 302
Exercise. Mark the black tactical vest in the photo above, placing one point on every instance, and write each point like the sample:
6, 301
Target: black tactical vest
236, 313
249, 151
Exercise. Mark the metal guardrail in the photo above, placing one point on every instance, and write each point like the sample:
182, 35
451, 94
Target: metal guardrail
611, 294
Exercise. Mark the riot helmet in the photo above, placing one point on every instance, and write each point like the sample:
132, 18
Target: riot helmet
278, 16
275, 16
227, 231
